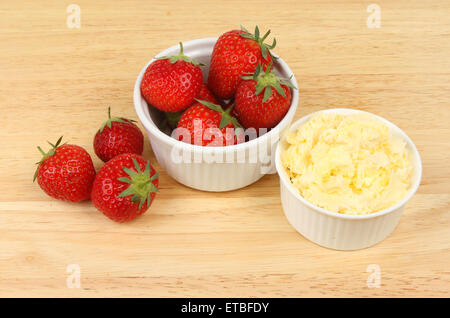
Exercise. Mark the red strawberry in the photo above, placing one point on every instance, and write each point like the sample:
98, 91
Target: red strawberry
266, 110
235, 53
203, 94
207, 124
118, 136
66, 172
172, 82
125, 187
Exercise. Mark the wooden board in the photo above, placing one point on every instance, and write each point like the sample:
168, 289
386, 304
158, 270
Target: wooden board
59, 81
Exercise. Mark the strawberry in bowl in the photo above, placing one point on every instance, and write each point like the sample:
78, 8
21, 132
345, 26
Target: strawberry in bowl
172, 82
235, 53
207, 165
262, 99
216, 127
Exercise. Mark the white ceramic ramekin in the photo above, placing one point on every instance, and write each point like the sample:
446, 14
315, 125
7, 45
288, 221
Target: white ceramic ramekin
202, 167
340, 231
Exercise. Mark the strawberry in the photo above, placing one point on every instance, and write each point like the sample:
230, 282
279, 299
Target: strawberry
203, 94
125, 187
207, 124
236, 52
118, 136
256, 110
65, 172
172, 82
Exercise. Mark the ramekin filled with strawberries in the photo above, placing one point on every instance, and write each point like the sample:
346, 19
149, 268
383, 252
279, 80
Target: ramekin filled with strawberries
214, 108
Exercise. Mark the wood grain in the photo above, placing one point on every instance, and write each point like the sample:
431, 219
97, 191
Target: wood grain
58, 81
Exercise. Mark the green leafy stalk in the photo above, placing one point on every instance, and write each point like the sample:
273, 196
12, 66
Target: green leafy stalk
140, 184
46, 155
265, 48
226, 117
180, 57
268, 81
110, 120
172, 119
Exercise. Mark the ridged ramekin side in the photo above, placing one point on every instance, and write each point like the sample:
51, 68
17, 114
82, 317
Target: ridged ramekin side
334, 232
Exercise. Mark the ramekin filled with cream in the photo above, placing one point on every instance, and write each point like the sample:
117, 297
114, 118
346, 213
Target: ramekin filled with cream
345, 177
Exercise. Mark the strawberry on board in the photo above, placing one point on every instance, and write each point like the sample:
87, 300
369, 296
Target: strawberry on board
125, 187
172, 82
262, 99
207, 124
118, 136
65, 172
236, 52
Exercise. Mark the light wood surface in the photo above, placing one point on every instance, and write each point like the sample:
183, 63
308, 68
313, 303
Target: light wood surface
59, 81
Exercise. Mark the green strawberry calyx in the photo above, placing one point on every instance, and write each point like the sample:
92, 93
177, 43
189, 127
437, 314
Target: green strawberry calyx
172, 119
265, 48
226, 116
141, 186
110, 120
48, 154
180, 57
267, 80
